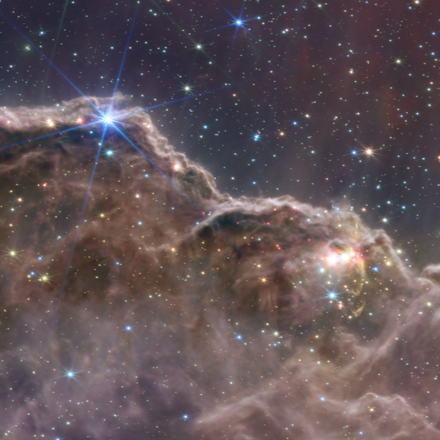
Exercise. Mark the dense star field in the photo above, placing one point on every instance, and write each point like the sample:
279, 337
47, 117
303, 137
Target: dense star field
219, 220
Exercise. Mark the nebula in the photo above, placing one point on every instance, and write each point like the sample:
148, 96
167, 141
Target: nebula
147, 304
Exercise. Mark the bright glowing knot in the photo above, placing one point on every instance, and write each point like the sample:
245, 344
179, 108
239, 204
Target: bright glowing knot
107, 119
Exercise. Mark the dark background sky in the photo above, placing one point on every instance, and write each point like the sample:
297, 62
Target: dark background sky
290, 100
